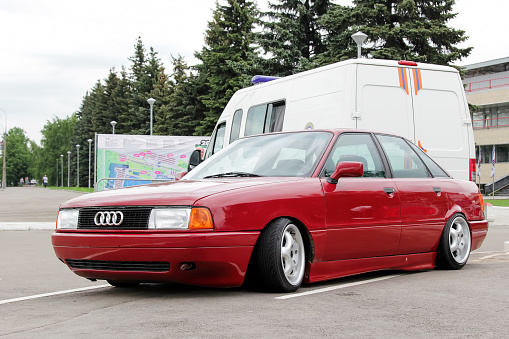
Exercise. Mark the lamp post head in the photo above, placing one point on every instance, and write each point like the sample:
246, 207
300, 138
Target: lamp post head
68, 152
359, 38
113, 123
61, 155
89, 141
151, 101
78, 146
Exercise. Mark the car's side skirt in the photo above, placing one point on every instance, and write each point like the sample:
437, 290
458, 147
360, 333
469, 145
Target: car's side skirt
325, 270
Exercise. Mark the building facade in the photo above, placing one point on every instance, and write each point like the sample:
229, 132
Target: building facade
487, 88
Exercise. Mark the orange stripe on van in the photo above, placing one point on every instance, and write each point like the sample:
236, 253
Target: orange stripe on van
417, 80
403, 79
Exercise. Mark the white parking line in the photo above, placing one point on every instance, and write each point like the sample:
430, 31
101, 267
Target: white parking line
7, 301
491, 256
332, 288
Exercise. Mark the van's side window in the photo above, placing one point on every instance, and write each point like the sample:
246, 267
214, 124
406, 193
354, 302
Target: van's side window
275, 117
265, 118
403, 160
216, 140
235, 132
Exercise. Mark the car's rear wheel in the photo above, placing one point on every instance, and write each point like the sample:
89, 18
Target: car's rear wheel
454, 247
122, 284
281, 257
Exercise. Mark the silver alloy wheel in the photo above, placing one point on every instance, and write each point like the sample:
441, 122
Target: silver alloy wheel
459, 240
292, 254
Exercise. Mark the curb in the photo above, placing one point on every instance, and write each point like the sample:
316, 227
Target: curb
27, 226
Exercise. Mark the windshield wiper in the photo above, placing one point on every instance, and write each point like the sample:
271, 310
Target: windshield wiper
231, 175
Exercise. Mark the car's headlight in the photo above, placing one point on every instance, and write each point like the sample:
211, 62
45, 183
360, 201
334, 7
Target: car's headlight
68, 219
180, 218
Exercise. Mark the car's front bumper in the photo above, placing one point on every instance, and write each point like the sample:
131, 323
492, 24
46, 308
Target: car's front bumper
210, 258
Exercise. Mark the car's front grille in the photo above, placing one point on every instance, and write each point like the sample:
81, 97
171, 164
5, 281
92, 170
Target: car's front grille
133, 217
143, 266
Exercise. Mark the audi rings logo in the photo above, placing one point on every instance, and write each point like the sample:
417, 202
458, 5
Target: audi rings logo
111, 218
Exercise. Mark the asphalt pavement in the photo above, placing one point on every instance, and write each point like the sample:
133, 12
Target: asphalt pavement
31, 208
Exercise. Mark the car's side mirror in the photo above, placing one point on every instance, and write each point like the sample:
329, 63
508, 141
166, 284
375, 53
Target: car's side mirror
346, 169
194, 160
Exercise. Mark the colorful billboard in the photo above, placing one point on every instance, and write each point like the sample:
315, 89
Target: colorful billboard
142, 158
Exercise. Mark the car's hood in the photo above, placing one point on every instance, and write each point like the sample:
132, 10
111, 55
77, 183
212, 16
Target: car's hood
183, 193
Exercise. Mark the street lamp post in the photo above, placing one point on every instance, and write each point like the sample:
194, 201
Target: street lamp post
57, 175
89, 150
62, 163
4, 153
151, 103
68, 167
113, 123
359, 38
78, 165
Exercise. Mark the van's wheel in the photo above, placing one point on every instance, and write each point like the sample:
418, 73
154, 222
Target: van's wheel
122, 284
454, 247
280, 256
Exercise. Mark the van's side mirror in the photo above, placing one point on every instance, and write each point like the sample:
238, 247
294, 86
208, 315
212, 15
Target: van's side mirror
346, 169
194, 160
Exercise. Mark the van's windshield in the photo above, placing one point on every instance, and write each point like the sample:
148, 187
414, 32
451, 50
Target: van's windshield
281, 155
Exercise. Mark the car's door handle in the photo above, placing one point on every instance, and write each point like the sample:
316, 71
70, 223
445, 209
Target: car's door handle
389, 190
437, 190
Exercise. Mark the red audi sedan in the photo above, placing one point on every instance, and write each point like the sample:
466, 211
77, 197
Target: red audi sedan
292, 208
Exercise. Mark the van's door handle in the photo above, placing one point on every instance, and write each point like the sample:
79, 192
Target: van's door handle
389, 190
437, 190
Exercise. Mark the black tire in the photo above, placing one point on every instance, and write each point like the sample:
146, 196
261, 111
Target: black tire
454, 247
122, 284
281, 256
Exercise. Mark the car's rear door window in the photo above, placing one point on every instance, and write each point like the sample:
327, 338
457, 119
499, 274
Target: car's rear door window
404, 162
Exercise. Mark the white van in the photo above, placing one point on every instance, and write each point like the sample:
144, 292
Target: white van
422, 102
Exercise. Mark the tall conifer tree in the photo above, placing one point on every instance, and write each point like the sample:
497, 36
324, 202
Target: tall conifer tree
184, 111
291, 37
228, 59
397, 29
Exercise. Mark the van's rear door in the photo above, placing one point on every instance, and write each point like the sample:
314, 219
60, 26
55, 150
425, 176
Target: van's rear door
384, 101
441, 119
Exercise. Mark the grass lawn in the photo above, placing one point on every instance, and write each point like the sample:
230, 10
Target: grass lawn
500, 202
78, 189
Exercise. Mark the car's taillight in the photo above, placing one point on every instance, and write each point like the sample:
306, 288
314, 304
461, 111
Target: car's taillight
472, 170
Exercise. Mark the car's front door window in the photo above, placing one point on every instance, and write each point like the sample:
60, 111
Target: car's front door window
356, 147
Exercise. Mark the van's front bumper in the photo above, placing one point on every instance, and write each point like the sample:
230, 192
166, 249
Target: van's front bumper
201, 258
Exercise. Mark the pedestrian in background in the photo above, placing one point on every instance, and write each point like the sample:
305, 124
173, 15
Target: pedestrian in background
45, 180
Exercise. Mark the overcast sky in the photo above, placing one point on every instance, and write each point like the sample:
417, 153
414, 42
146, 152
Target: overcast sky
53, 51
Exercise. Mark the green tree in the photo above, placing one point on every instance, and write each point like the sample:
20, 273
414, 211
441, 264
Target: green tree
291, 37
399, 29
228, 59
57, 136
145, 72
184, 110
17, 156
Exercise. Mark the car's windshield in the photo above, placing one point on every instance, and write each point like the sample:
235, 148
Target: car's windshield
281, 155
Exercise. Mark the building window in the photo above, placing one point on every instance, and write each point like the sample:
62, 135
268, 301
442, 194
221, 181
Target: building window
501, 153
489, 117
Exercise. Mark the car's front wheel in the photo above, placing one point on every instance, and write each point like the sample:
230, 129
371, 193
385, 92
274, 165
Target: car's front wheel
281, 257
454, 247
